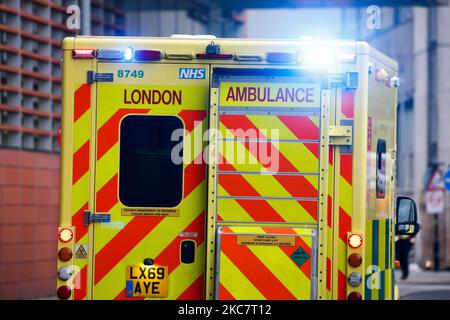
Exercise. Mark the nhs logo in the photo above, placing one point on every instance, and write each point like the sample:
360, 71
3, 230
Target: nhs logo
192, 73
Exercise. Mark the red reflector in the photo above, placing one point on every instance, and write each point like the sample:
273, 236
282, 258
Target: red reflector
64, 292
65, 254
354, 260
354, 296
58, 137
214, 56
83, 53
280, 57
147, 55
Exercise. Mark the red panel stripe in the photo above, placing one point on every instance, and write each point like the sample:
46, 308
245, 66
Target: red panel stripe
224, 294
119, 246
78, 222
170, 255
81, 281
194, 291
342, 286
254, 270
301, 126
108, 134
347, 102
190, 117
345, 224
80, 162
107, 195
196, 171
82, 101
347, 167
328, 274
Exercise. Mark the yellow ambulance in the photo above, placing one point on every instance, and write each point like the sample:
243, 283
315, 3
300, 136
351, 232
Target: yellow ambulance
206, 168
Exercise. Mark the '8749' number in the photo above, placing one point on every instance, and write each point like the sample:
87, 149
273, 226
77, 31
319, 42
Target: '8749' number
124, 73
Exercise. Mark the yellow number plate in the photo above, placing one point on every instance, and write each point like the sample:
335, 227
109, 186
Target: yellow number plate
147, 281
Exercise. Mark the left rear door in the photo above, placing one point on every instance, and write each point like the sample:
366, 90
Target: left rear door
153, 191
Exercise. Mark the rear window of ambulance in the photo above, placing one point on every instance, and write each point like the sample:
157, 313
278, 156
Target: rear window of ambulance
148, 177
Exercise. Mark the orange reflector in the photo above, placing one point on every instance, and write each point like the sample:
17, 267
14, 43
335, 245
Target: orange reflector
65, 234
354, 296
65, 254
397, 264
64, 292
354, 241
354, 260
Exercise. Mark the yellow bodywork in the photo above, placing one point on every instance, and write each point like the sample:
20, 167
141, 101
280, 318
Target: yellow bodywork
322, 188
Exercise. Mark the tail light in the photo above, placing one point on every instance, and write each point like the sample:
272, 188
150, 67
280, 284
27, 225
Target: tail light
63, 292
65, 254
354, 241
354, 296
65, 235
83, 53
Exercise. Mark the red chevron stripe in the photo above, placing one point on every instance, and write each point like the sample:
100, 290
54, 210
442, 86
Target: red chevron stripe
347, 103
345, 224
108, 134
121, 244
107, 195
196, 170
81, 280
190, 117
131, 234
303, 129
258, 210
342, 286
80, 162
224, 294
346, 168
170, 255
82, 101
328, 274
194, 291
254, 270
78, 223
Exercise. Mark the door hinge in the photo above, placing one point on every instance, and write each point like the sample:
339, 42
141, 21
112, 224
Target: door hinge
347, 80
341, 135
90, 217
99, 77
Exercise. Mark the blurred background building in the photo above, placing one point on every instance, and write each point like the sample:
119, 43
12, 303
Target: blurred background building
30, 112
416, 35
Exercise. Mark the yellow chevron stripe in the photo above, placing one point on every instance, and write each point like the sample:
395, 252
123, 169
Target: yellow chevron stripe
154, 243
81, 130
80, 193
236, 282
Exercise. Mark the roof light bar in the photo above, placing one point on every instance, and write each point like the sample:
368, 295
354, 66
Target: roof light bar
214, 56
248, 56
280, 57
148, 55
83, 53
175, 55
110, 54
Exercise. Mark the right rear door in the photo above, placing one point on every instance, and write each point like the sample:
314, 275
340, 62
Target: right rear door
268, 188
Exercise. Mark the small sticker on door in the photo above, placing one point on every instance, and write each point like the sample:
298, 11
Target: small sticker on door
81, 251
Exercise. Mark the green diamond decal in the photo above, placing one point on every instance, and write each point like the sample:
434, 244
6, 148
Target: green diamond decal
300, 256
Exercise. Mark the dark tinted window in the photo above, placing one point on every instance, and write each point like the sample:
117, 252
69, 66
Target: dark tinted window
148, 177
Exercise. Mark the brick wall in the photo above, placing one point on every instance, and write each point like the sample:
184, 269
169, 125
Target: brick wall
29, 196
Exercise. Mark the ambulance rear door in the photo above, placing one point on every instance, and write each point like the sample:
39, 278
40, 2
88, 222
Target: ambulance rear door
150, 189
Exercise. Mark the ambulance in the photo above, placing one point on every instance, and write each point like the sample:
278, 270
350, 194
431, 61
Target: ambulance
206, 168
